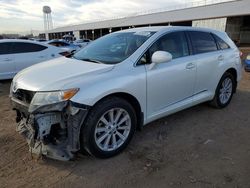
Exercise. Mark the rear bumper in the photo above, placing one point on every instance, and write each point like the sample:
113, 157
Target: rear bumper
247, 67
52, 130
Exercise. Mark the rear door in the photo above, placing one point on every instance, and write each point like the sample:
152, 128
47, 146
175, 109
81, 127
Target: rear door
208, 58
26, 54
7, 66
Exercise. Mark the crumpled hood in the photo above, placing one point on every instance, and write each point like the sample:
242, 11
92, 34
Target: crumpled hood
56, 73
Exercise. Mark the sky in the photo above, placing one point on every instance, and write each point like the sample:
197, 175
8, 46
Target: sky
23, 16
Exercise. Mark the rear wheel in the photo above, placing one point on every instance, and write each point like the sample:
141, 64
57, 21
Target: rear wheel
224, 91
108, 128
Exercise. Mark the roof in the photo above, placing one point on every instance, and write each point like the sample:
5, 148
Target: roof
19, 40
26, 41
152, 29
170, 28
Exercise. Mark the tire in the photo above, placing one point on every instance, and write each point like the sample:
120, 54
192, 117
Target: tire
218, 101
102, 138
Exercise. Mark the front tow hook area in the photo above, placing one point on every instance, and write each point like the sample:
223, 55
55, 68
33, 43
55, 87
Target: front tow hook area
53, 134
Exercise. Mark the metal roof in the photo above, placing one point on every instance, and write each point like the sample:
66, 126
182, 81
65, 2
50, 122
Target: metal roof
219, 10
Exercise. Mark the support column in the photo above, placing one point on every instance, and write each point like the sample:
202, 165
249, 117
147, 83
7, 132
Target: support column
46, 36
93, 34
86, 35
76, 34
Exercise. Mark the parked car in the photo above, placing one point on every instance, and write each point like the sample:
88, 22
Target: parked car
41, 40
68, 37
95, 100
82, 42
38, 39
247, 63
70, 47
17, 54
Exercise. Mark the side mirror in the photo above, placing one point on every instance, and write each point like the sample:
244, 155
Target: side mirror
160, 57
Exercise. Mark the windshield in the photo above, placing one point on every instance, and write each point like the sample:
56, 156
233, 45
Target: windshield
113, 48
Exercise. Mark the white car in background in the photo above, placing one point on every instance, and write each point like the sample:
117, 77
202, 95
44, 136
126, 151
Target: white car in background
82, 42
96, 99
17, 54
68, 46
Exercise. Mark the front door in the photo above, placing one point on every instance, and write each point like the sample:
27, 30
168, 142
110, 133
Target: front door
171, 82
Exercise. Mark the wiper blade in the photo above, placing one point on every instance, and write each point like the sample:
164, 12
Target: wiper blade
92, 60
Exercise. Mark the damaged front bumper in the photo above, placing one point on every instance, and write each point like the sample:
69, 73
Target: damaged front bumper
51, 130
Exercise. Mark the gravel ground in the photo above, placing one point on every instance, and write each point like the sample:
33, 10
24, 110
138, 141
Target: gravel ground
197, 147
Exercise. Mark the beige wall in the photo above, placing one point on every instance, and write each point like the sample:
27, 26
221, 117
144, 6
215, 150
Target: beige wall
233, 28
218, 23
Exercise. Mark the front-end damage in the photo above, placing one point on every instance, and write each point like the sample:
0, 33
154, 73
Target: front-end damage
51, 130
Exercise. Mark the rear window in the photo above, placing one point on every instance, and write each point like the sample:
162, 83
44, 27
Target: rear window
59, 44
221, 43
202, 42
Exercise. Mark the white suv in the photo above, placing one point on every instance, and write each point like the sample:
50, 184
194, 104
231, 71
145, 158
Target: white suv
96, 99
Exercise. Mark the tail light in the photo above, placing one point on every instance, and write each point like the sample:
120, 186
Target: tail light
64, 53
241, 54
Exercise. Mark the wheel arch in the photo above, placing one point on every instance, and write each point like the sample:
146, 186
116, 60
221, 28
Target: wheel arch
133, 101
234, 74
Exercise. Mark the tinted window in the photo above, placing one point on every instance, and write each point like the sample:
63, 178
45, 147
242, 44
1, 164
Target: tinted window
22, 47
221, 43
174, 43
202, 42
58, 44
5, 48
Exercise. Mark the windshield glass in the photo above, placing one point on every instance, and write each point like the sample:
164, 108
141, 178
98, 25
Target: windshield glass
113, 48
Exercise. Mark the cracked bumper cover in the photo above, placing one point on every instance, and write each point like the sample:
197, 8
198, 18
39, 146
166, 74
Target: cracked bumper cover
51, 130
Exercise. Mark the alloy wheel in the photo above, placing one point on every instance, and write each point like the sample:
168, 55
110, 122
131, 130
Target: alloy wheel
226, 90
112, 129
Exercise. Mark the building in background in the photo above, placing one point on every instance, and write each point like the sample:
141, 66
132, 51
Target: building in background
232, 16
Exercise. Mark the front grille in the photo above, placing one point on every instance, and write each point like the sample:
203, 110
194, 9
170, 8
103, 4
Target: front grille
24, 95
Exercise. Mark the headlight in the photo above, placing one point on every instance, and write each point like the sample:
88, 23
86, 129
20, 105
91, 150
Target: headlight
248, 57
45, 98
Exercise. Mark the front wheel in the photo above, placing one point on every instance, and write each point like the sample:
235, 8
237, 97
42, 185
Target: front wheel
224, 91
109, 127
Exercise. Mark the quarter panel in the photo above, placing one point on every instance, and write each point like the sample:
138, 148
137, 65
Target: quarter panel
210, 70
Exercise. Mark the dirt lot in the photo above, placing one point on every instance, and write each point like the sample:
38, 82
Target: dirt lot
198, 147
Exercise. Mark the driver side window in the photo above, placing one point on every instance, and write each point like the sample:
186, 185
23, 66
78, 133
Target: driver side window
175, 43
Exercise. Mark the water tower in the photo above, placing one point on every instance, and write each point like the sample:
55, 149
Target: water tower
47, 18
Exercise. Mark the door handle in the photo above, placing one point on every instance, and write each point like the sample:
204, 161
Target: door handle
221, 58
41, 56
190, 66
